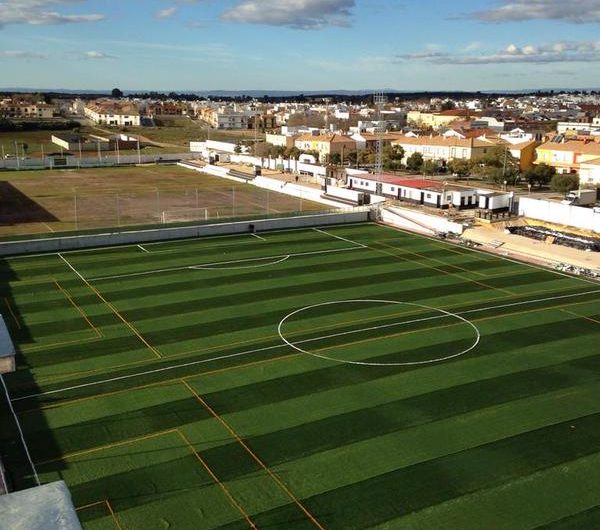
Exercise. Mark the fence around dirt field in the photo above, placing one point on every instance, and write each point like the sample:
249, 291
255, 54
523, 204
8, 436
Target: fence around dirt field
92, 161
75, 242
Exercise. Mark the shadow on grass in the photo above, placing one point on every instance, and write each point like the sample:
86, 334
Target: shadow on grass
18, 208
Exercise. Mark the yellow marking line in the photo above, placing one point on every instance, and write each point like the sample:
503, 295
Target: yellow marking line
68, 376
147, 437
217, 481
10, 309
165, 382
581, 316
398, 256
107, 505
54, 344
79, 310
218, 370
253, 455
114, 310
48, 227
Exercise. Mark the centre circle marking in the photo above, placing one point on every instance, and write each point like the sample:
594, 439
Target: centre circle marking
364, 363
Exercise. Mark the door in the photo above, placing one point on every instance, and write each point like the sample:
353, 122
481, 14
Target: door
378, 189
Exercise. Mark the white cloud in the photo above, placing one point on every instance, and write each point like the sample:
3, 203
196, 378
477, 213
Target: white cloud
93, 54
558, 52
297, 14
40, 12
166, 13
579, 12
20, 54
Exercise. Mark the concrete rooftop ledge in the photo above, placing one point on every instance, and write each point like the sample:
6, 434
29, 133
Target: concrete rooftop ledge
7, 349
47, 507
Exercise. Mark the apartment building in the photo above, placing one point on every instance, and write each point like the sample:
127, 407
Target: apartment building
114, 113
11, 108
568, 156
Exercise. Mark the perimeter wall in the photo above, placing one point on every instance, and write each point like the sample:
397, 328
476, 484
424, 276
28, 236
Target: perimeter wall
74, 242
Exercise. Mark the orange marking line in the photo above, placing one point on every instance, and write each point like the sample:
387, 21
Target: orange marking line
114, 310
114, 516
7, 302
160, 383
79, 310
107, 446
255, 457
217, 481
290, 356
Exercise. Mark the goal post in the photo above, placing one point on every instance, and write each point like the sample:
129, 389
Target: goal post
176, 215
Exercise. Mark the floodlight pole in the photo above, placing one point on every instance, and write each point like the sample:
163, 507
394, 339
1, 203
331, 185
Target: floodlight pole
17, 154
158, 202
233, 201
138, 150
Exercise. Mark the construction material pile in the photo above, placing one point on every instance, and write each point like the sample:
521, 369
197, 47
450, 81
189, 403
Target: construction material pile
566, 239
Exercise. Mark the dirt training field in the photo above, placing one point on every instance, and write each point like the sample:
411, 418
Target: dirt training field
33, 202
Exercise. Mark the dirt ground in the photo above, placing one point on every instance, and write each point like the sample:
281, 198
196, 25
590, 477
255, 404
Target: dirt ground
33, 202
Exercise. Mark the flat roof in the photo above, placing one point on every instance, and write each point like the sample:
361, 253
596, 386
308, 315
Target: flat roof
418, 183
47, 507
7, 348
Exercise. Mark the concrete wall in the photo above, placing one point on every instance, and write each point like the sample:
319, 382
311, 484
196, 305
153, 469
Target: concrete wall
59, 244
420, 222
561, 214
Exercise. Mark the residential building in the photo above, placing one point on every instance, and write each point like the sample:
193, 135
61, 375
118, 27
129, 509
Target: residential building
444, 149
115, 113
436, 120
23, 109
325, 144
566, 156
589, 172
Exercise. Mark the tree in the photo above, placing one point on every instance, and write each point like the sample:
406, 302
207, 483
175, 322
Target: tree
392, 157
540, 174
448, 105
564, 183
116, 93
335, 159
429, 167
462, 168
414, 162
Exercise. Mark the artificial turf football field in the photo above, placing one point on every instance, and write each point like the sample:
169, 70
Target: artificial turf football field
348, 377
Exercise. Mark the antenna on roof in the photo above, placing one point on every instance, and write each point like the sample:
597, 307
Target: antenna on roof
379, 100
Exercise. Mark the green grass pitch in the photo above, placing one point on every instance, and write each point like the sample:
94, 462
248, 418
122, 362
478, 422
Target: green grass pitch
349, 377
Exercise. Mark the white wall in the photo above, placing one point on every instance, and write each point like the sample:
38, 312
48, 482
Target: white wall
562, 214
419, 221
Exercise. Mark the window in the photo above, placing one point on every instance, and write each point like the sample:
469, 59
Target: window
428, 195
393, 189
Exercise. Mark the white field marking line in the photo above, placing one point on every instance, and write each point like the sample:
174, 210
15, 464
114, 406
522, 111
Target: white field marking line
258, 350
49, 227
18, 423
143, 249
340, 238
205, 267
72, 268
366, 363
149, 372
171, 240
445, 314
256, 235
189, 267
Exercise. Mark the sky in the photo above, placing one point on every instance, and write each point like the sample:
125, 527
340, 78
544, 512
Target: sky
300, 44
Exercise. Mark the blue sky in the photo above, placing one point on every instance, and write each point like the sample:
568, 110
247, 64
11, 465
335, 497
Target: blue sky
299, 44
